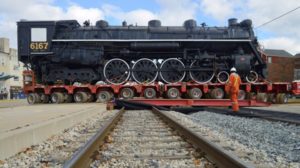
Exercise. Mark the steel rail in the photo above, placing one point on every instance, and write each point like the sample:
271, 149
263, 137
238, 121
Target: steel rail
216, 154
213, 153
83, 157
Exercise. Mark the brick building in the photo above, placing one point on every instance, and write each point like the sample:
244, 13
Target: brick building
297, 67
280, 65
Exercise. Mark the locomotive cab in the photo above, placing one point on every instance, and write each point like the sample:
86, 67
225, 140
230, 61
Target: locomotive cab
34, 38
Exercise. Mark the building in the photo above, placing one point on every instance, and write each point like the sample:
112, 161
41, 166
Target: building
280, 65
11, 69
297, 67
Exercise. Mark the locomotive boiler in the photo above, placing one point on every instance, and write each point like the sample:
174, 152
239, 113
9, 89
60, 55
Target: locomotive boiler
67, 52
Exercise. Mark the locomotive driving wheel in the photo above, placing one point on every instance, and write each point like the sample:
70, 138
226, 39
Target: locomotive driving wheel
116, 71
252, 77
172, 70
201, 71
144, 71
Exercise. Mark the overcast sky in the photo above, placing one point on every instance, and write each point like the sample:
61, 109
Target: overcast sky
280, 34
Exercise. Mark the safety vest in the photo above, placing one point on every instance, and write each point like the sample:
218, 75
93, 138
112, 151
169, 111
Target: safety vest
234, 82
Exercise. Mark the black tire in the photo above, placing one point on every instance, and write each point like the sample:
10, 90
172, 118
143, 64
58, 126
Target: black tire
32, 99
127, 93
242, 95
281, 98
262, 97
44, 98
195, 93
38, 98
103, 96
284, 98
57, 97
217, 93
149, 93
173, 93
80, 97
69, 98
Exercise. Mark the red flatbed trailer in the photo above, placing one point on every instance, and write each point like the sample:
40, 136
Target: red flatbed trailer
183, 93
296, 88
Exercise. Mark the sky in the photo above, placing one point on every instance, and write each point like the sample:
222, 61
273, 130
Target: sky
283, 33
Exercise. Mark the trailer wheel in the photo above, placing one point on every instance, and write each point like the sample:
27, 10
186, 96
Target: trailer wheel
262, 97
127, 93
80, 97
173, 93
281, 98
195, 93
32, 98
57, 97
284, 98
38, 98
44, 98
217, 93
103, 96
68, 98
242, 95
149, 93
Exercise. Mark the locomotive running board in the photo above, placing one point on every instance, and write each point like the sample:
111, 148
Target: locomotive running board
193, 102
151, 40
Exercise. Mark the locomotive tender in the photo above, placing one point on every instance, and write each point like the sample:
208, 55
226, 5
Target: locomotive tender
66, 52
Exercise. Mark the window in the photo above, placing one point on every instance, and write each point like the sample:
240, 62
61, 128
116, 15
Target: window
270, 60
38, 34
296, 74
16, 78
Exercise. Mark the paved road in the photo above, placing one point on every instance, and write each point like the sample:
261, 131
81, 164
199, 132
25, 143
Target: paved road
13, 103
19, 115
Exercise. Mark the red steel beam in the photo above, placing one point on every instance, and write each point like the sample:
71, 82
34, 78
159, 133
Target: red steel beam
199, 102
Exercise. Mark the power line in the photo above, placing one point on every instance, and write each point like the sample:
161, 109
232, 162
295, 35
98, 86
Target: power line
277, 17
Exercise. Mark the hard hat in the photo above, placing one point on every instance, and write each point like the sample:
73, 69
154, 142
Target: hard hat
233, 69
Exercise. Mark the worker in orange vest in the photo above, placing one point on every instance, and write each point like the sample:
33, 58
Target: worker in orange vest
233, 87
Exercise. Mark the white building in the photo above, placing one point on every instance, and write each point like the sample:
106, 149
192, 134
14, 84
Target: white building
10, 65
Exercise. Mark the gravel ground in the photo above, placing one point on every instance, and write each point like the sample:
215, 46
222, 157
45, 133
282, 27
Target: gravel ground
141, 139
260, 142
57, 149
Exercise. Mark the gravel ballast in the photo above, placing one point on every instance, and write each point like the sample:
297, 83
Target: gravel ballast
56, 150
263, 143
141, 139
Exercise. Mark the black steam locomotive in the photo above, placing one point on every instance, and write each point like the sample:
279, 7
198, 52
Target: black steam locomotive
66, 52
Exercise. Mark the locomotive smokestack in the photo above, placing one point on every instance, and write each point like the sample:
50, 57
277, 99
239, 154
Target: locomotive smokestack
124, 23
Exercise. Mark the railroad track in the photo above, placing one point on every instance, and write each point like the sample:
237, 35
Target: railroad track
145, 138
